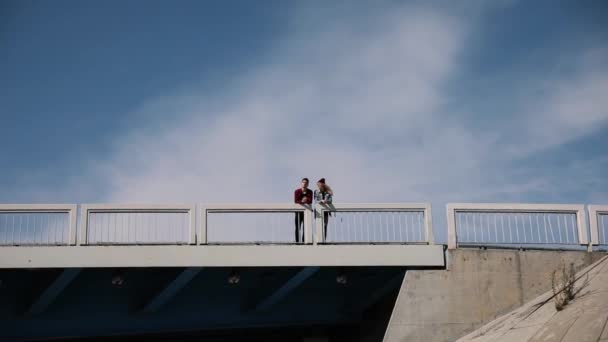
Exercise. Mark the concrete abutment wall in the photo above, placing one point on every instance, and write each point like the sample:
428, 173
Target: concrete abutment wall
478, 286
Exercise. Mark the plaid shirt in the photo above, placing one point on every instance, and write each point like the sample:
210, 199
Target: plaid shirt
322, 196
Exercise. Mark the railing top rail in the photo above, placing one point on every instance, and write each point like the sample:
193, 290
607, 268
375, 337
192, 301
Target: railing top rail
294, 206
598, 208
386, 206
136, 207
515, 207
37, 207
253, 207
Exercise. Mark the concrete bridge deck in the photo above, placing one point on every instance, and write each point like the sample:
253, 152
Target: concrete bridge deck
142, 271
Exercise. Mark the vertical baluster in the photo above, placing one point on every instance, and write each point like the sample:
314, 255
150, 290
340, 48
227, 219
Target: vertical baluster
276, 229
41, 228
466, 224
602, 219
21, 238
516, 228
3, 230
400, 226
343, 233
46, 229
376, 231
99, 226
34, 235
495, 227
129, 225
106, 217
99, 218
12, 228
551, 229
566, 230
126, 234
559, 228
502, 227
420, 230
538, 227
56, 227
572, 227
27, 229
523, 227
356, 229
474, 227
481, 227
91, 228
352, 218
487, 227
545, 228
406, 227
360, 225
65, 231
510, 230
347, 229
169, 235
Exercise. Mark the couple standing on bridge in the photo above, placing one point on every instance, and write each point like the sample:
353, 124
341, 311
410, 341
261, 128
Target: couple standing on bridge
303, 195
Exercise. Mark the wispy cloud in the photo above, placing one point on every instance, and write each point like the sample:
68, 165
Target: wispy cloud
355, 106
363, 105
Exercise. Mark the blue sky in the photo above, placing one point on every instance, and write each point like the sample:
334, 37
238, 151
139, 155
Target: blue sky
235, 101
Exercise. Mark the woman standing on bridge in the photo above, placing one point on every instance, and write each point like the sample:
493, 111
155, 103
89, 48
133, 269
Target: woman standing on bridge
324, 196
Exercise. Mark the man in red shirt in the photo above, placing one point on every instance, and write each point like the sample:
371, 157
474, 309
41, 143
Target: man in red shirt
302, 195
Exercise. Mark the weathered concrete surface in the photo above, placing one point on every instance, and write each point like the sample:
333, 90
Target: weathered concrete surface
479, 285
584, 319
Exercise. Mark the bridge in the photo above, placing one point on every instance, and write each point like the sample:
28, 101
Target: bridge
235, 271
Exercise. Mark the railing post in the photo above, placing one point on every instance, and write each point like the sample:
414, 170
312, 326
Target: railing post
452, 244
202, 235
594, 216
318, 236
308, 224
581, 222
194, 222
83, 226
428, 221
73, 230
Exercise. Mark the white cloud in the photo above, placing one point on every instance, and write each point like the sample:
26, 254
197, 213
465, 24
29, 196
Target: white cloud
573, 106
359, 108
362, 104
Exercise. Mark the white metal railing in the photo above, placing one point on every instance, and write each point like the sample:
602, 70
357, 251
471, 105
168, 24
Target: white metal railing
516, 224
365, 223
39, 224
598, 221
253, 223
374, 223
128, 224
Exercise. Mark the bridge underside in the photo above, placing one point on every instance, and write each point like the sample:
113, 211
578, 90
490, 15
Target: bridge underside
216, 302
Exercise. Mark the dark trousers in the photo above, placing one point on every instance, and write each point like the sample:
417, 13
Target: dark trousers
299, 222
325, 221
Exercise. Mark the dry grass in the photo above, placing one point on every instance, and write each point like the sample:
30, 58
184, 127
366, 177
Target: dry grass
562, 283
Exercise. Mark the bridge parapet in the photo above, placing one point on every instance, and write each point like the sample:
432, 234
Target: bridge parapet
525, 225
218, 224
598, 220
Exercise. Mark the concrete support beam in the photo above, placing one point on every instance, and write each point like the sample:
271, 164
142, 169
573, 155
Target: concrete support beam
172, 289
287, 288
49, 295
221, 256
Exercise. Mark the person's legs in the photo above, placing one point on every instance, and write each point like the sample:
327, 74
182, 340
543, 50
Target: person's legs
299, 219
325, 221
